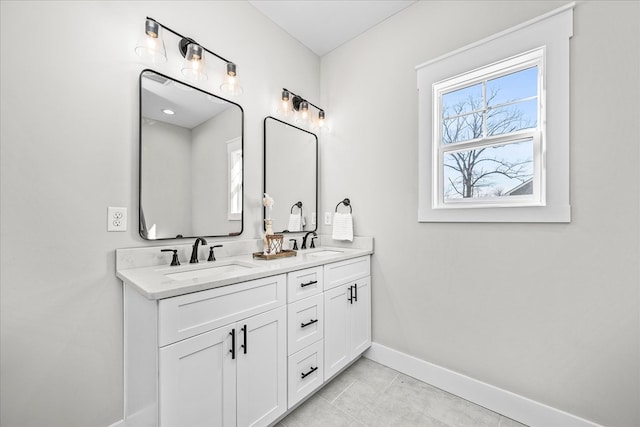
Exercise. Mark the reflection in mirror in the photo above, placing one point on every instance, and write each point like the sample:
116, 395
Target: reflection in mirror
291, 175
191, 161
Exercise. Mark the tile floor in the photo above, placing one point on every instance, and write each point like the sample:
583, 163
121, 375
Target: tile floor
373, 395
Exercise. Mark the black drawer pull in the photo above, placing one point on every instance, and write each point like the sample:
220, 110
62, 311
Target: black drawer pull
233, 343
355, 293
311, 322
350, 294
308, 373
313, 282
244, 336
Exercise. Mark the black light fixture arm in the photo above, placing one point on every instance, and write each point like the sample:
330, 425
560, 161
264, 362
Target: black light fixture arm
186, 40
303, 99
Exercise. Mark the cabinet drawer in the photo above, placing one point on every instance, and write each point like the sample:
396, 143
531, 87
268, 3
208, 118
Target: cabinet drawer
341, 272
304, 283
188, 315
305, 372
305, 322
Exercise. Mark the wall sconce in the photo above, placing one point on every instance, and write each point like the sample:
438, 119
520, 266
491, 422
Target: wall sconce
151, 48
293, 102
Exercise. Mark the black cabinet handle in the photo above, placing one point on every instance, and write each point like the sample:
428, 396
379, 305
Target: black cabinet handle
233, 343
355, 292
350, 294
244, 338
313, 282
311, 322
309, 373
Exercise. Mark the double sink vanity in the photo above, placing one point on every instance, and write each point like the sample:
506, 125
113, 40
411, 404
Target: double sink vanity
239, 341
235, 341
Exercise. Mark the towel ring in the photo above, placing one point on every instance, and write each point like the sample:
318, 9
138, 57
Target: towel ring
345, 202
299, 205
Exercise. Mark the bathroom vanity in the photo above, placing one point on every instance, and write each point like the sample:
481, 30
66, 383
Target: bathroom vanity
239, 341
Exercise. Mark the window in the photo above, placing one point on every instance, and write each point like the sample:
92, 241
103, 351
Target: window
234, 168
489, 137
494, 127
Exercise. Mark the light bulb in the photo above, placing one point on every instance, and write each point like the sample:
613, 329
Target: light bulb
151, 46
193, 65
304, 110
285, 106
230, 84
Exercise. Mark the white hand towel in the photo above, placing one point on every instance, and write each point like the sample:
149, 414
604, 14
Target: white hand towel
294, 223
342, 226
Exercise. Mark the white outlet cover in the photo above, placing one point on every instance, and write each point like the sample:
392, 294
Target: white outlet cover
327, 218
116, 219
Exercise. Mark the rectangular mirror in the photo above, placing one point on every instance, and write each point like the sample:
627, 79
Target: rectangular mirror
191, 161
291, 176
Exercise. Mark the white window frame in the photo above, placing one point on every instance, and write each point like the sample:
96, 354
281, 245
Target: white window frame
533, 58
551, 31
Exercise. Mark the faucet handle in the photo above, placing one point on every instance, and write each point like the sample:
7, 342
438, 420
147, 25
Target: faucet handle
295, 244
174, 260
212, 256
313, 244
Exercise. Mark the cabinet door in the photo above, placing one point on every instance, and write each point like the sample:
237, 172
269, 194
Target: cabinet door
360, 317
336, 327
262, 368
197, 381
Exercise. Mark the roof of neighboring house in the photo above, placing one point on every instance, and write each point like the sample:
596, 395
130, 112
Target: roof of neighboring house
522, 189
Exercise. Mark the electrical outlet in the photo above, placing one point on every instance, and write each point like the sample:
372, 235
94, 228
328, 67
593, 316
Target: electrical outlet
116, 219
327, 218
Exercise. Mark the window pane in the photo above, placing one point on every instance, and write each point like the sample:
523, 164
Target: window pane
462, 101
498, 171
462, 128
512, 87
512, 118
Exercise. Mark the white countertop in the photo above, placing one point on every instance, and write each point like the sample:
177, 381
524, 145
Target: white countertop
154, 281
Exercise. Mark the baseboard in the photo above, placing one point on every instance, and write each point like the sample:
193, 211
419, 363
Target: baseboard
519, 408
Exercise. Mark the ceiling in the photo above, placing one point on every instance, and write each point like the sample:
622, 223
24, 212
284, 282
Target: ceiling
323, 25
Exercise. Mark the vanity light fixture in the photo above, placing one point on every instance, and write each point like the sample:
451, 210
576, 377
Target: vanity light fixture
151, 48
193, 64
293, 102
285, 107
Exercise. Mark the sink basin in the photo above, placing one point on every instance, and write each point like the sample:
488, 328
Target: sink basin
324, 252
209, 271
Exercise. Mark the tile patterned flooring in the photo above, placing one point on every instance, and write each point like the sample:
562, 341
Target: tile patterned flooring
368, 394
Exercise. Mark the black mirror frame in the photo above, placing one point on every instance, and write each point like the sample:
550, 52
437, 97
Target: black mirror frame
140, 211
264, 171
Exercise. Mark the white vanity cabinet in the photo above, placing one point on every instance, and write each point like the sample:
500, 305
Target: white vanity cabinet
243, 349
347, 307
220, 357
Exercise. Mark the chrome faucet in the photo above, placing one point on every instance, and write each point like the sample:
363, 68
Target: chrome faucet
194, 252
304, 240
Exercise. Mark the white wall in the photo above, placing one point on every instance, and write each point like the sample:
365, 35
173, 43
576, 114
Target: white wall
69, 85
167, 171
210, 176
547, 311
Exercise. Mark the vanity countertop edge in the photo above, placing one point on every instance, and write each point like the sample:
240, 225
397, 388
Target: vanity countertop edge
152, 283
